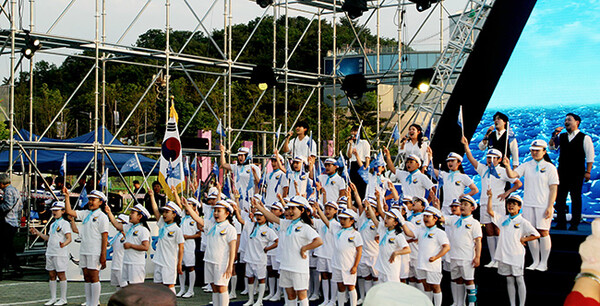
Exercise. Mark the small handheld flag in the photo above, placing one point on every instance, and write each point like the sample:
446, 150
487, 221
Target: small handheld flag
460, 121
220, 129
395, 133
83, 198
63, 166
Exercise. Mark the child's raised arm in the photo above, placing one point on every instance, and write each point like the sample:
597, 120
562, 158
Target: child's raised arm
112, 219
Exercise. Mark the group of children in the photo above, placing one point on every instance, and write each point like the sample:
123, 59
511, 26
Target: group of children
310, 242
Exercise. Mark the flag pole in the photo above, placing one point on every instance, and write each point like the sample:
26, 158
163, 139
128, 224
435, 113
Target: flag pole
462, 122
437, 192
65, 174
507, 140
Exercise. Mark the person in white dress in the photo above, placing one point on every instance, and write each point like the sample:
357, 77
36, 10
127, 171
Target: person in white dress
414, 143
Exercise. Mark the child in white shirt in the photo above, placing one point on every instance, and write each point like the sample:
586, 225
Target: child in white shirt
191, 231
58, 237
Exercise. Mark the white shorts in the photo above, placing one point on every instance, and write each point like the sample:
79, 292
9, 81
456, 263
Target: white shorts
499, 210
213, 274
90, 262
295, 280
134, 274
57, 263
463, 269
324, 265
189, 258
535, 215
240, 257
509, 270
365, 270
411, 270
389, 277
312, 261
164, 275
256, 270
405, 266
344, 276
433, 278
116, 278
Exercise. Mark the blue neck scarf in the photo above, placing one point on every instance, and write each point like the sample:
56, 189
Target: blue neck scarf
509, 219
451, 176
184, 218
329, 178
213, 229
537, 165
112, 241
409, 178
339, 234
240, 169
362, 227
161, 232
256, 230
131, 230
459, 222
54, 225
429, 230
413, 215
289, 229
87, 218
383, 241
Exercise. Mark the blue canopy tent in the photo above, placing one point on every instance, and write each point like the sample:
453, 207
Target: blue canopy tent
49, 161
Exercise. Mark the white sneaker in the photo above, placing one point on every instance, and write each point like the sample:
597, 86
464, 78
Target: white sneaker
61, 302
244, 292
180, 293
324, 303
207, 290
188, 294
332, 303
492, 264
276, 297
359, 302
533, 266
540, 267
82, 304
258, 303
249, 303
313, 297
268, 297
51, 302
232, 296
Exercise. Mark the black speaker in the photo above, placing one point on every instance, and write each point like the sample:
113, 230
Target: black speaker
355, 85
355, 8
194, 143
115, 202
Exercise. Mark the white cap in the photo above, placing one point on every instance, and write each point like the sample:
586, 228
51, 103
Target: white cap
430, 210
331, 161
469, 199
212, 195
299, 201
422, 199
372, 201
58, 205
123, 217
454, 156
494, 153
195, 201
516, 198
343, 200
348, 213
224, 204
142, 210
258, 212
172, 206
455, 202
277, 205
273, 157
98, 194
396, 214
300, 158
538, 144
415, 158
243, 150
332, 204
407, 199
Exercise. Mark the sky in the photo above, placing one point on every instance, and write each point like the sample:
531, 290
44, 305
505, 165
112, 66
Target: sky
556, 59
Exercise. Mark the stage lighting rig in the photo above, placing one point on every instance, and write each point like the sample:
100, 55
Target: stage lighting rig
355, 85
263, 76
422, 78
264, 3
423, 5
355, 8
32, 44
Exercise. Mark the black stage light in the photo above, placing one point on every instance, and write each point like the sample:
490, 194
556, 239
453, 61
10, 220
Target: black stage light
263, 76
31, 46
423, 5
355, 85
264, 3
355, 8
421, 79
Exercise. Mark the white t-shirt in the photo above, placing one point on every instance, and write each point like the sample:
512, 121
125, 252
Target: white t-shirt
58, 231
218, 237
275, 228
454, 186
536, 188
275, 181
332, 184
244, 182
388, 244
410, 148
297, 234
326, 249
377, 181
301, 178
118, 251
416, 219
261, 236
243, 231
135, 235
368, 231
346, 240
189, 227
362, 148
509, 249
300, 147
462, 239
414, 186
430, 244
91, 230
496, 184
167, 247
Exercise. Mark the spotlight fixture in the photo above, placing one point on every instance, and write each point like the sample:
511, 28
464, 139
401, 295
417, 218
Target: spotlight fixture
264, 3
423, 5
355, 8
355, 85
31, 46
263, 76
422, 78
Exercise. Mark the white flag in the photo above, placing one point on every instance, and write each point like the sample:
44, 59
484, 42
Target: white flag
171, 159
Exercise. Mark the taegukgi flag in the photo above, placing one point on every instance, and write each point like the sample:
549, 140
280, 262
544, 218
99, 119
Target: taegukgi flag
171, 159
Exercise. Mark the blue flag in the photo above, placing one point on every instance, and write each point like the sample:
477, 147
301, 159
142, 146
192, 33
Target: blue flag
511, 134
364, 174
83, 198
395, 133
278, 133
131, 165
460, 117
429, 130
378, 162
186, 166
104, 180
63, 166
220, 129
227, 187
215, 169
